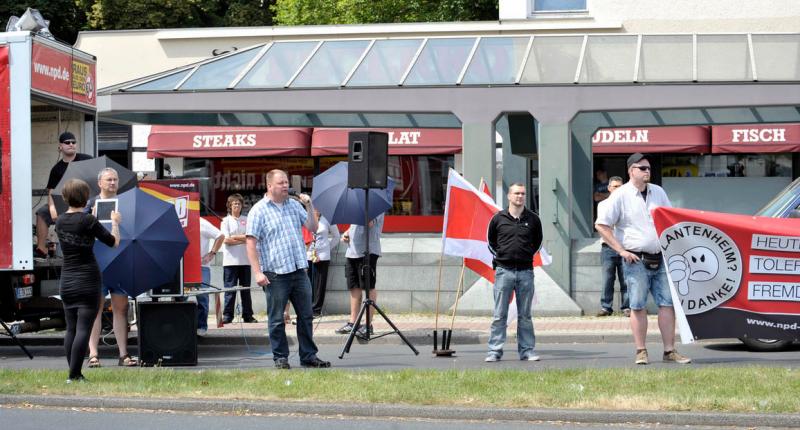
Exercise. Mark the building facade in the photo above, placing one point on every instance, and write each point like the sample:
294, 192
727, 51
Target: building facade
612, 66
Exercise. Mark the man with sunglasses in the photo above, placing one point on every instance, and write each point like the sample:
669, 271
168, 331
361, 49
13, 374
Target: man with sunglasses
46, 215
629, 210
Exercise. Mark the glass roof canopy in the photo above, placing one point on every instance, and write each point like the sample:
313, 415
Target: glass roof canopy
490, 60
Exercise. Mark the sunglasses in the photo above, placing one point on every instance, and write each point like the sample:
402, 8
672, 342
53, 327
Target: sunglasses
643, 168
69, 142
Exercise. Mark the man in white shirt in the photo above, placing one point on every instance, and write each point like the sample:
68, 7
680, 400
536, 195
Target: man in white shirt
629, 209
211, 240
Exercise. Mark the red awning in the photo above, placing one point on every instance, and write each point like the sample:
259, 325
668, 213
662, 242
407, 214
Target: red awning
753, 138
217, 142
402, 141
693, 139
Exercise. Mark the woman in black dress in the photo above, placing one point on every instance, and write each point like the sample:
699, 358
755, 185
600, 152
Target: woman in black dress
80, 275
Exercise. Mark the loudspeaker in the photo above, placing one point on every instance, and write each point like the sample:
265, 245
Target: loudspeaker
367, 159
173, 288
167, 333
522, 132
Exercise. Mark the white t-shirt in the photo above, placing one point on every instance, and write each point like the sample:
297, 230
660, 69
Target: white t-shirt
631, 214
234, 255
326, 238
602, 207
208, 234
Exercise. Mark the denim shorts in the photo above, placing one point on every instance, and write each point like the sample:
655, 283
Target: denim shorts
641, 280
114, 291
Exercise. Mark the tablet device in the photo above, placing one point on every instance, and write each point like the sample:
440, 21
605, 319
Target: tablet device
103, 209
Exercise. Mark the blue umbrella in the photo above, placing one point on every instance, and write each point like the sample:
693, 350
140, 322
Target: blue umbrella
342, 205
151, 246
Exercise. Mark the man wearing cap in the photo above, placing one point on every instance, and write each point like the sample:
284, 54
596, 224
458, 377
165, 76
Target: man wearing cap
629, 209
46, 215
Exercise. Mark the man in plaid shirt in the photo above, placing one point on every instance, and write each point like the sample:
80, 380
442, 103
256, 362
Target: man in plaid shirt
277, 257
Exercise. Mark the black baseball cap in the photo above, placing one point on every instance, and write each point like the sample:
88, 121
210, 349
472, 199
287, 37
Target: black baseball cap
65, 136
635, 158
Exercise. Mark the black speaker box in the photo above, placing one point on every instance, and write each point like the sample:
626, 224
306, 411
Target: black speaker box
367, 159
522, 132
167, 333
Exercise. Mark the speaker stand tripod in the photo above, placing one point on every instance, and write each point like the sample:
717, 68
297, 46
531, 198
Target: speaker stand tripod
12, 335
366, 276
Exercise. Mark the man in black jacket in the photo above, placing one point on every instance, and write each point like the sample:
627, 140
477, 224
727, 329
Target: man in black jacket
515, 234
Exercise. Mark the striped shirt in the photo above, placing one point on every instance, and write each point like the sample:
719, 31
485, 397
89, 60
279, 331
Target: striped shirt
278, 230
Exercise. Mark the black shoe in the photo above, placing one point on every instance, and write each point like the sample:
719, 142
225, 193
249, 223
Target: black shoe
81, 378
316, 363
362, 332
250, 320
227, 320
345, 329
282, 363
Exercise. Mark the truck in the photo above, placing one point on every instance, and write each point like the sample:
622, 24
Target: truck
46, 87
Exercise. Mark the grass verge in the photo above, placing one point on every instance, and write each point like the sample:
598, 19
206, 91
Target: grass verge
744, 389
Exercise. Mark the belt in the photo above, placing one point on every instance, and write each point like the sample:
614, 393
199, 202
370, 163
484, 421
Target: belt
641, 254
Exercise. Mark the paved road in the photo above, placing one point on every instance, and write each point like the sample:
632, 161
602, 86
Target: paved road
393, 357
36, 418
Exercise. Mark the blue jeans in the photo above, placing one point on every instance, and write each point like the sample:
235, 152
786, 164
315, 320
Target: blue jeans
202, 300
291, 287
231, 276
612, 268
642, 281
520, 282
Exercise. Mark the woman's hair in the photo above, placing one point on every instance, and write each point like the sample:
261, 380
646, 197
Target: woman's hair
232, 198
76, 193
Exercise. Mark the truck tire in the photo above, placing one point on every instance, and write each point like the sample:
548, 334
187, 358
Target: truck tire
765, 345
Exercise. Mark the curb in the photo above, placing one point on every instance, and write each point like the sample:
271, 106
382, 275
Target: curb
416, 337
414, 411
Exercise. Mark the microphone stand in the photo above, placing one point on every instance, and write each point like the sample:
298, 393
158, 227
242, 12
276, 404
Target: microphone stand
366, 276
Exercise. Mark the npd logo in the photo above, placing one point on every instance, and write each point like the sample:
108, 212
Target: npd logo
704, 264
182, 209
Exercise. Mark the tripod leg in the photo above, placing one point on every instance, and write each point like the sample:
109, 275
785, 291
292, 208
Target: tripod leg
435, 341
352, 334
391, 324
14, 336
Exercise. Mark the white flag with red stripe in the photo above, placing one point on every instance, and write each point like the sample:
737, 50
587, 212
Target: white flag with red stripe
466, 219
478, 266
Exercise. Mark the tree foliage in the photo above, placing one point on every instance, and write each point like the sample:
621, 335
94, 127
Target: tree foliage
140, 14
68, 17
318, 12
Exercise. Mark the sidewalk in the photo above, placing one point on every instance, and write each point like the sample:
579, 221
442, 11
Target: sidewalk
418, 328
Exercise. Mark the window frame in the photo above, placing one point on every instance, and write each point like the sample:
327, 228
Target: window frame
534, 12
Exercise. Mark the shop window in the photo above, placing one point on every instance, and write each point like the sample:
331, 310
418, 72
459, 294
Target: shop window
727, 165
420, 183
421, 180
547, 6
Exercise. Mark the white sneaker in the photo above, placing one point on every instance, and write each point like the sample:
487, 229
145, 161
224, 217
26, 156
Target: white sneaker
202, 332
491, 358
532, 357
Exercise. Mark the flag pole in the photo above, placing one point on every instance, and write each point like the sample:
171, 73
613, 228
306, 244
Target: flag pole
455, 306
438, 291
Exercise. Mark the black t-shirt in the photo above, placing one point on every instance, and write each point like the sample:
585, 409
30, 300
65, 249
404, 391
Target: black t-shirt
77, 232
57, 172
513, 241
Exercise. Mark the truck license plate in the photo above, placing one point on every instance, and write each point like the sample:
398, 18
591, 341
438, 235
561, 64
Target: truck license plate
23, 292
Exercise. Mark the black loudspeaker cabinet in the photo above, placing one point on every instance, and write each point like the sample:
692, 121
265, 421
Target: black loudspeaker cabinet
167, 333
173, 288
367, 159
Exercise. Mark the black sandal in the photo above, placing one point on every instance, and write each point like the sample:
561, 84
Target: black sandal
127, 361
